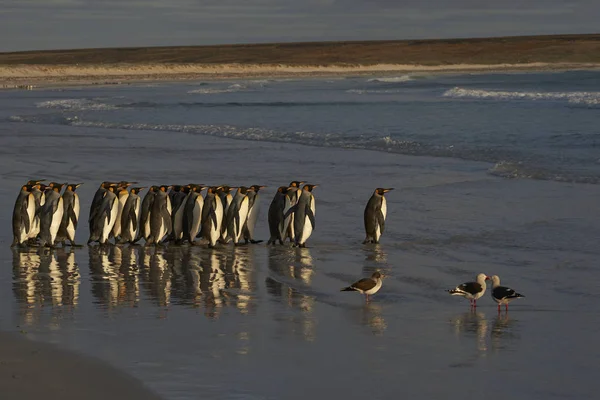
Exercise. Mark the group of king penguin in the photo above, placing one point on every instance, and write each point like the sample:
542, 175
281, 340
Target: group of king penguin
174, 214
42, 216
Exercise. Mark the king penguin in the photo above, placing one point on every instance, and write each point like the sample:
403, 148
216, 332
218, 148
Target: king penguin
237, 214
160, 217
70, 218
224, 193
293, 193
304, 216
105, 221
212, 216
38, 190
95, 210
178, 202
375, 213
144, 231
253, 211
23, 214
130, 217
192, 213
278, 208
51, 215
122, 195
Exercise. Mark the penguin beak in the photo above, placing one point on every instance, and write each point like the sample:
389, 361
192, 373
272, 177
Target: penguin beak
387, 190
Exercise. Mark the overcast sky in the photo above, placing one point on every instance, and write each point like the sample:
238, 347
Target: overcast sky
61, 24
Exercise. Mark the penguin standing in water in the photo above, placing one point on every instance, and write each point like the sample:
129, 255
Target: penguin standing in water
144, 231
37, 189
375, 213
51, 215
107, 216
160, 217
278, 208
304, 215
130, 217
23, 214
122, 195
212, 216
95, 210
293, 193
253, 211
192, 213
237, 214
226, 197
70, 218
178, 201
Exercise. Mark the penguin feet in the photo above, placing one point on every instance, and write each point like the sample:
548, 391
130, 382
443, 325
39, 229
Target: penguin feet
256, 241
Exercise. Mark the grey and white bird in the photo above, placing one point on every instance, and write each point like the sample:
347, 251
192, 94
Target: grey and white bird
471, 290
503, 294
366, 286
375, 214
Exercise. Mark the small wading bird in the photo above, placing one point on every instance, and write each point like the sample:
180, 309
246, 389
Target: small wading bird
503, 294
471, 290
366, 286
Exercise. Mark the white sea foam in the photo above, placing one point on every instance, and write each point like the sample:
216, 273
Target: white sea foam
373, 91
76, 104
392, 79
585, 98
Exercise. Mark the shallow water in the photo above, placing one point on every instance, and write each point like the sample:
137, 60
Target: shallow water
258, 322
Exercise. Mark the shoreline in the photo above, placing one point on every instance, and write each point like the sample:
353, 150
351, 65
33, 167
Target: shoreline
33, 76
31, 370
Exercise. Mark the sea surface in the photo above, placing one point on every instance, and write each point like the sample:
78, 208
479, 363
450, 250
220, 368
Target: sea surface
493, 173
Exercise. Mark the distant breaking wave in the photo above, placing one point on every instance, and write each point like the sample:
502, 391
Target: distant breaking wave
505, 164
393, 79
584, 98
76, 104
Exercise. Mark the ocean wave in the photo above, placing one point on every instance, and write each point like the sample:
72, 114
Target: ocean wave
236, 87
76, 105
392, 79
585, 98
521, 170
373, 91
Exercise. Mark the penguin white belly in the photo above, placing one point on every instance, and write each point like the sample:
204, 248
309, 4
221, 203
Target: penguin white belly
215, 229
34, 222
286, 222
196, 217
108, 226
56, 219
135, 227
253, 216
70, 224
243, 214
178, 222
306, 231
146, 228
117, 226
377, 232
384, 213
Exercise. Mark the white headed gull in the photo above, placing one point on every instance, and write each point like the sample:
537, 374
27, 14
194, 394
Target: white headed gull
502, 294
471, 290
367, 286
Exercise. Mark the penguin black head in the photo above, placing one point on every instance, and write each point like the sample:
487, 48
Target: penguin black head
243, 189
137, 190
26, 188
226, 189
164, 188
57, 186
283, 189
154, 188
308, 187
71, 187
34, 182
382, 191
196, 188
176, 188
256, 188
296, 184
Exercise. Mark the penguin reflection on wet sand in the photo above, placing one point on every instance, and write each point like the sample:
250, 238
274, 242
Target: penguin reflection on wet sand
276, 217
375, 214
304, 216
70, 218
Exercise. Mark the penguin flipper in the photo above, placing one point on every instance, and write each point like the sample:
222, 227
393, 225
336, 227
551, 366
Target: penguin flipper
381, 220
290, 211
133, 216
25, 216
213, 216
72, 216
311, 216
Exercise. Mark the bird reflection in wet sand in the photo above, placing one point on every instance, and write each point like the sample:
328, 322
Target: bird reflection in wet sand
294, 265
371, 316
472, 324
42, 276
504, 332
